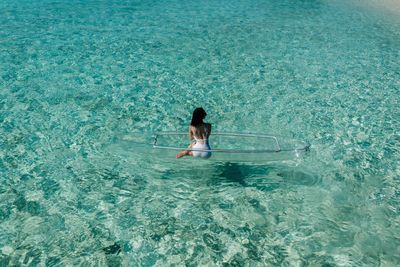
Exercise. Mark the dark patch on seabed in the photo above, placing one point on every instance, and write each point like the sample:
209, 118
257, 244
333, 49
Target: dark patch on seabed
233, 172
113, 249
271, 176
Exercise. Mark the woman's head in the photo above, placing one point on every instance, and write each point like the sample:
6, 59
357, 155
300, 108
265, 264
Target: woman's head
198, 115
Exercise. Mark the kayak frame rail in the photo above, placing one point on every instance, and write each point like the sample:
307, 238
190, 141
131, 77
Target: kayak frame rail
277, 149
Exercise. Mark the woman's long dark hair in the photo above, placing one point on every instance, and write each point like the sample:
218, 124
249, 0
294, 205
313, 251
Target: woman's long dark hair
198, 115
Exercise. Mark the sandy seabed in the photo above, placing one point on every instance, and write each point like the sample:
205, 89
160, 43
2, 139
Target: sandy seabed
386, 5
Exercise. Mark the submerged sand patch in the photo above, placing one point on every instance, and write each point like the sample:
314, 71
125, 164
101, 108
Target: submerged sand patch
392, 6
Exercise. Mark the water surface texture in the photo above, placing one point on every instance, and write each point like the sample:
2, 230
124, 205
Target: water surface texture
75, 76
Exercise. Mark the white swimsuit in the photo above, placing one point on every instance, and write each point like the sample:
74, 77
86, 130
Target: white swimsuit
201, 144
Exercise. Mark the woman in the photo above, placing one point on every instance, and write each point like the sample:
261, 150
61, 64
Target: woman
199, 131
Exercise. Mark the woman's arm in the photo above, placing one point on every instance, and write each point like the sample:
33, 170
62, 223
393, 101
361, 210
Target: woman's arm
190, 134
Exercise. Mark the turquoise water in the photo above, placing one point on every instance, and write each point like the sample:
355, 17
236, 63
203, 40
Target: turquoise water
77, 75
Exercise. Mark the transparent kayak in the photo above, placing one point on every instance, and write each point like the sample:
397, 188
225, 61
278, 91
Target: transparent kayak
236, 146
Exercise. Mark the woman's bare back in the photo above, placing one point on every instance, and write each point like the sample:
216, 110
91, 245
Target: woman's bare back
202, 131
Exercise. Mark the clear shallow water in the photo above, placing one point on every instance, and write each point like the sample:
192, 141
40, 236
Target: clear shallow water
75, 75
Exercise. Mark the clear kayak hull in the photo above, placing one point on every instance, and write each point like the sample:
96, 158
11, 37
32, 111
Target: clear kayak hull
235, 146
